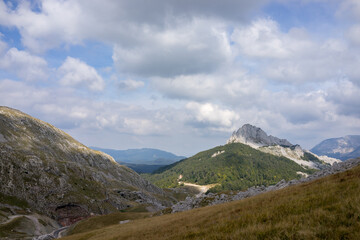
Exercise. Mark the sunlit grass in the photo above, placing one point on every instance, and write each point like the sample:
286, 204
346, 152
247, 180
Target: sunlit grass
328, 208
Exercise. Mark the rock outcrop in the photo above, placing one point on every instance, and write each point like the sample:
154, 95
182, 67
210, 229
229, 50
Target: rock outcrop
49, 169
256, 137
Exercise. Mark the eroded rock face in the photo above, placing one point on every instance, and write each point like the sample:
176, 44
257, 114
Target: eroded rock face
71, 213
256, 137
48, 168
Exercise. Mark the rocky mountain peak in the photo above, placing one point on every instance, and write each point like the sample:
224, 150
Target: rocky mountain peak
256, 137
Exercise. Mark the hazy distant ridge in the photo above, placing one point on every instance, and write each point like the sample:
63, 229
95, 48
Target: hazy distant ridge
148, 156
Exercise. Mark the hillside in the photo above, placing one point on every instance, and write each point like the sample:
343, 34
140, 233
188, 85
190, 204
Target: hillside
342, 148
322, 209
59, 177
234, 166
142, 168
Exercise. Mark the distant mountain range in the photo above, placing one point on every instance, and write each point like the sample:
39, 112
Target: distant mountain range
249, 158
144, 160
342, 148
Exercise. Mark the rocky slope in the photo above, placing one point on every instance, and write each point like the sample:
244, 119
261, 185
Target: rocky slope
61, 178
258, 139
342, 148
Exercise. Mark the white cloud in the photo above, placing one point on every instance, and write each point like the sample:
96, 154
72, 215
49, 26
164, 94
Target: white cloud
130, 84
57, 23
192, 87
20, 94
189, 47
349, 9
213, 115
142, 126
353, 34
24, 65
294, 56
261, 39
345, 95
3, 46
70, 22
75, 72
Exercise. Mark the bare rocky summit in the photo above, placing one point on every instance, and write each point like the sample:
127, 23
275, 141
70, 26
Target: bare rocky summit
61, 178
256, 137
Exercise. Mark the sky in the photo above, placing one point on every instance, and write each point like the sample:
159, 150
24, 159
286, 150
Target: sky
181, 76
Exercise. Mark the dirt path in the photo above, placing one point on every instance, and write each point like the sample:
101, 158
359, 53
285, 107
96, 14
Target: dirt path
201, 188
34, 219
10, 218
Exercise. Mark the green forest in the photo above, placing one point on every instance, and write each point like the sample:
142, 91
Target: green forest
237, 167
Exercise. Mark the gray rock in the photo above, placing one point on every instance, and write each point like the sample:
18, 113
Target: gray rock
252, 135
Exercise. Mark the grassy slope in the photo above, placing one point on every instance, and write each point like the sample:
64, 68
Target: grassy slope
238, 168
327, 208
106, 220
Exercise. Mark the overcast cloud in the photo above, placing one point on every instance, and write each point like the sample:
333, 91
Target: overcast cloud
182, 75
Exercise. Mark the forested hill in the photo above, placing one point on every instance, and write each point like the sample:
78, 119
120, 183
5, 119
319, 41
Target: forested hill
233, 166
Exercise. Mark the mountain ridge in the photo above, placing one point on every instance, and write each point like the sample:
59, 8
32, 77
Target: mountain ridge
148, 156
342, 147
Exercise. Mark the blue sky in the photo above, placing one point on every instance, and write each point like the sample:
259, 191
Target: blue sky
182, 75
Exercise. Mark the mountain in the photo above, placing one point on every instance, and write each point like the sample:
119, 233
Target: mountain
342, 148
249, 158
326, 208
234, 166
147, 156
258, 139
49, 172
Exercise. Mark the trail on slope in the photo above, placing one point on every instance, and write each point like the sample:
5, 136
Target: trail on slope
200, 188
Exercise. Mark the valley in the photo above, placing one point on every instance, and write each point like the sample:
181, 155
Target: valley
321, 209
53, 186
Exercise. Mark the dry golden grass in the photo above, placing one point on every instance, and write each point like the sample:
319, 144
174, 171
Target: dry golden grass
328, 208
